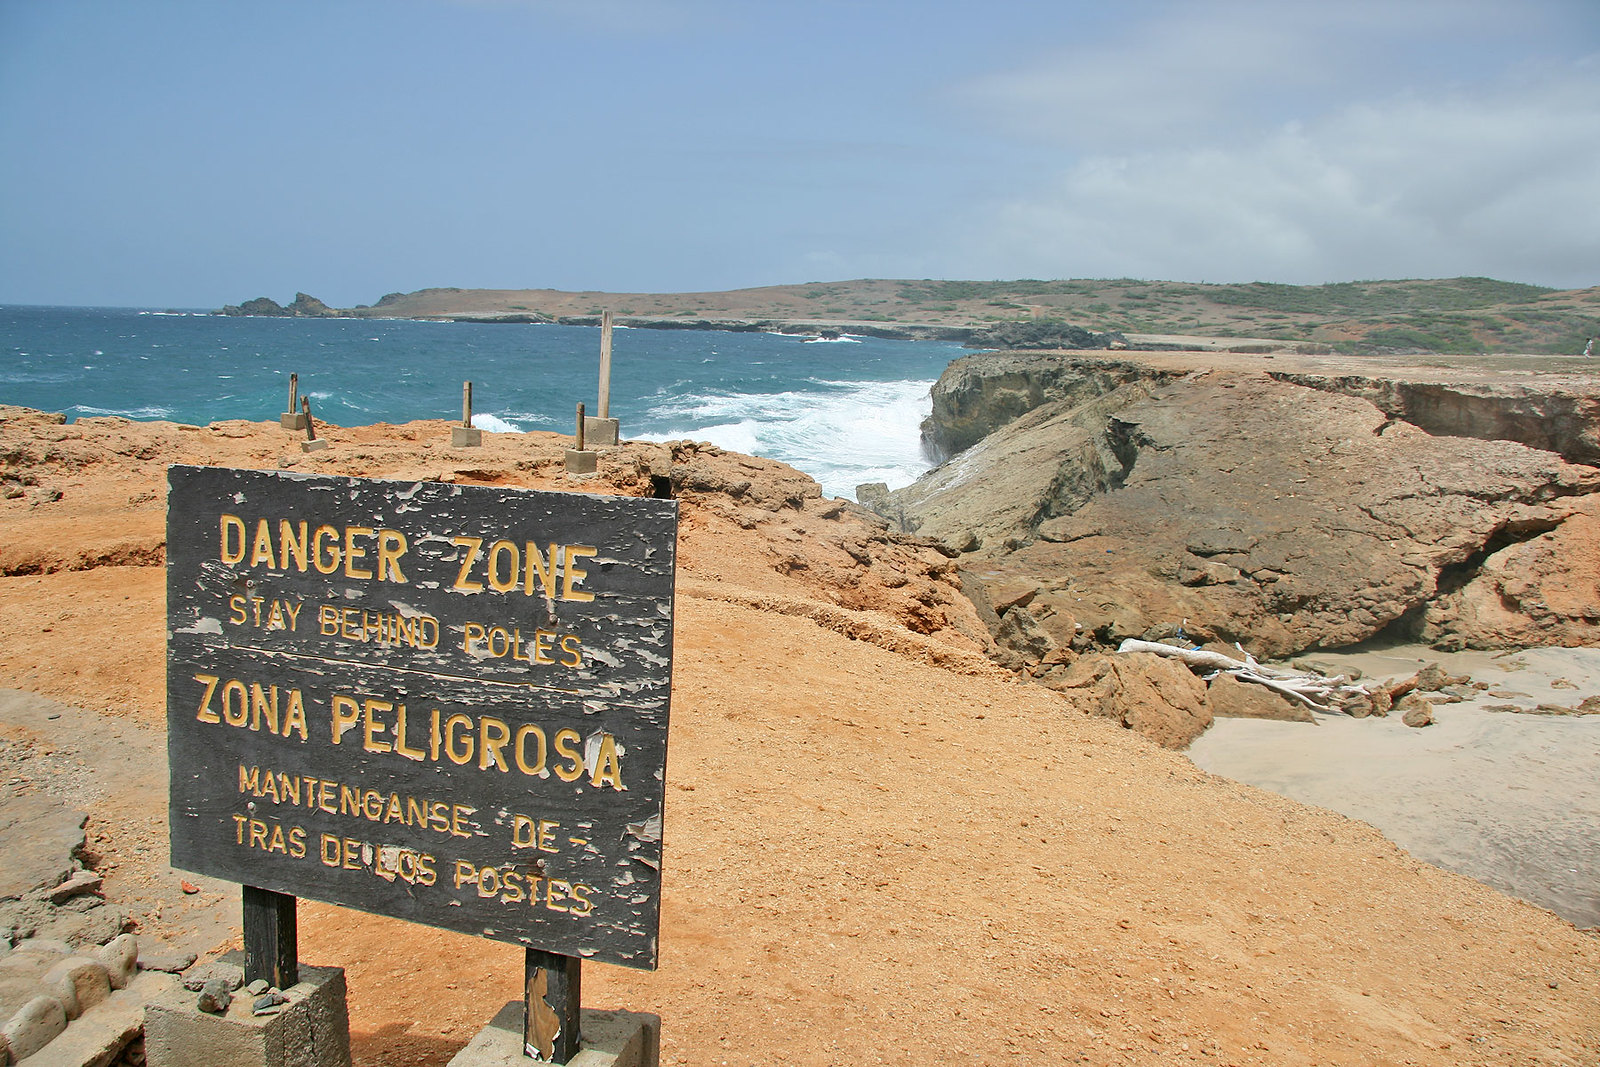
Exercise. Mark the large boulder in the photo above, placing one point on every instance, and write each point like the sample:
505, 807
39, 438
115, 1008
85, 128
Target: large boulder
1242, 507
1146, 693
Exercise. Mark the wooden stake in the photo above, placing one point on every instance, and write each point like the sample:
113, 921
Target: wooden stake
552, 1005
294, 393
466, 405
579, 441
605, 366
311, 428
271, 938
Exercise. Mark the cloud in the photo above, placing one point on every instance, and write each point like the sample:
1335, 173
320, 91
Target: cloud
1188, 179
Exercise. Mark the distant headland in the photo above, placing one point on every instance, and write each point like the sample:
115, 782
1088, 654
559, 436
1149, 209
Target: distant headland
1452, 315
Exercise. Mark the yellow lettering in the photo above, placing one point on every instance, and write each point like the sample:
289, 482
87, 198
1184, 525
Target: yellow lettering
231, 714
607, 769
210, 682
458, 758
345, 713
572, 647
260, 707
236, 605
391, 546
294, 718
537, 766
571, 575
330, 850
231, 549
352, 553
563, 745
489, 748
290, 545
261, 547
372, 725
400, 738
325, 556
250, 780
509, 582
473, 545
537, 566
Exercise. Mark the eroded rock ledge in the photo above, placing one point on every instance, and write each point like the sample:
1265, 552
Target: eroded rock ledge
1286, 508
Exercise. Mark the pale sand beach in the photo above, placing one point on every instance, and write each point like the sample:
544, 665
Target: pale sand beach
1512, 800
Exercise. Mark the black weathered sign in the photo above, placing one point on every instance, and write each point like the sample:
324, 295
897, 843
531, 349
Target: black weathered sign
442, 703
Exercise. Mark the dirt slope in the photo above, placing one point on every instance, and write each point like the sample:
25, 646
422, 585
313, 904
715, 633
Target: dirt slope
879, 848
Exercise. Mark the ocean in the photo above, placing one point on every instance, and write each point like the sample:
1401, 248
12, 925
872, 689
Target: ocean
844, 411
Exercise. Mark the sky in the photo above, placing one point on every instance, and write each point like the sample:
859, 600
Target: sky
191, 154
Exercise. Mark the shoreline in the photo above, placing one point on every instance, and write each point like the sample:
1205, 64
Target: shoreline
1511, 800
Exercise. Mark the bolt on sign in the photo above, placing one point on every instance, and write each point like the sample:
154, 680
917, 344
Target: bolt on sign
443, 703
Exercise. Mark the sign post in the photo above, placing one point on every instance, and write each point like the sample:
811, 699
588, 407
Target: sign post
446, 704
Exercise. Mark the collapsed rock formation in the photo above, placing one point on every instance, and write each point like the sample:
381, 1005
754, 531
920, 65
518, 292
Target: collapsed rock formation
1101, 499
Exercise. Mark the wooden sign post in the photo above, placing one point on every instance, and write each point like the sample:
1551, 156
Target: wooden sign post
447, 704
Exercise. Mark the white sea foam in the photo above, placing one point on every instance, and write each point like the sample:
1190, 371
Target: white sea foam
841, 340
494, 424
126, 413
847, 434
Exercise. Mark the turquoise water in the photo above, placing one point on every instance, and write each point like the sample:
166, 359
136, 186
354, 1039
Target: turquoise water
844, 412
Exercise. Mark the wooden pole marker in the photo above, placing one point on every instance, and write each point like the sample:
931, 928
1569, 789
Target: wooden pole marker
292, 418
466, 435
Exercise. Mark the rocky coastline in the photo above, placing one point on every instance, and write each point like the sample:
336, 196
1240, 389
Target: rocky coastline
1274, 504
869, 698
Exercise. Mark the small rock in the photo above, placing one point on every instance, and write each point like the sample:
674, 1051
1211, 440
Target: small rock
231, 973
1357, 705
215, 996
188, 887
1416, 710
1233, 699
121, 957
269, 1004
34, 1026
258, 987
169, 961
1432, 678
80, 882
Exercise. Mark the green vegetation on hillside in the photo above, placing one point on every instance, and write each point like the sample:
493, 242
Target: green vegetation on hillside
1451, 315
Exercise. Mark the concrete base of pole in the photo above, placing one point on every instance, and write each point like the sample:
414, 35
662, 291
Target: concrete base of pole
585, 462
610, 1039
314, 446
465, 437
292, 420
603, 433
311, 1030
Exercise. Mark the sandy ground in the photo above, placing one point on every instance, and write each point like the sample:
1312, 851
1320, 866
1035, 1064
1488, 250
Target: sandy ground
1511, 799
878, 848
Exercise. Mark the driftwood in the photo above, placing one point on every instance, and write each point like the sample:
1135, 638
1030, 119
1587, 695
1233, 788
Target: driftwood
1313, 690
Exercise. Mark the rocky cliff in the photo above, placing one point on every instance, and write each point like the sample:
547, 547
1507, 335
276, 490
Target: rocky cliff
1285, 508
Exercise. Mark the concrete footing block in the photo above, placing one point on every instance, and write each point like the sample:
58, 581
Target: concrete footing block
311, 1030
465, 437
585, 462
292, 420
610, 1039
601, 433
314, 446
